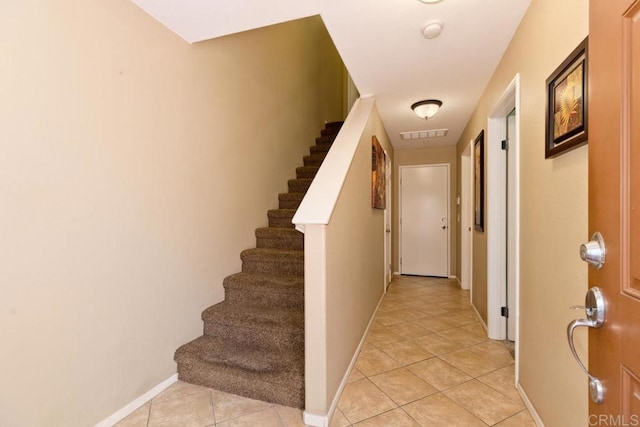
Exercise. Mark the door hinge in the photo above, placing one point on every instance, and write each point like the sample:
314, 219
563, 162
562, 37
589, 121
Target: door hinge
505, 145
504, 311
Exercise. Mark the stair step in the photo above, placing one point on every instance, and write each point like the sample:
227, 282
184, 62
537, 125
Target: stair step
281, 218
279, 238
254, 325
324, 140
307, 172
290, 200
321, 148
334, 125
273, 262
248, 289
299, 185
329, 131
314, 159
210, 362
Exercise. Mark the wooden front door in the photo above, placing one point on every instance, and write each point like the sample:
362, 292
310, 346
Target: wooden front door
614, 204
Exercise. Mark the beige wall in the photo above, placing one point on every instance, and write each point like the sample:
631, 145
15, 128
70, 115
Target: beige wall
553, 214
426, 156
135, 168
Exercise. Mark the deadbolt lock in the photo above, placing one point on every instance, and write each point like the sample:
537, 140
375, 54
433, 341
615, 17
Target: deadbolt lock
594, 252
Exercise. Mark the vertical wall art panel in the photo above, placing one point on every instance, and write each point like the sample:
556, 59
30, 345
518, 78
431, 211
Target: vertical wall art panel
378, 175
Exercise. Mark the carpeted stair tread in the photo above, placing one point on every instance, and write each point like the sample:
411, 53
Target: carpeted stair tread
259, 290
290, 200
265, 281
334, 125
307, 171
329, 131
279, 238
317, 149
255, 317
256, 325
283, 387
250, 358
314, 159
259, 253
299, 185
281, 218
324, 140
249, 280
281, 213
275, 262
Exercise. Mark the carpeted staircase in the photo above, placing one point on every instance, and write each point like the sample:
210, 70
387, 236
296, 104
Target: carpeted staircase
253, 342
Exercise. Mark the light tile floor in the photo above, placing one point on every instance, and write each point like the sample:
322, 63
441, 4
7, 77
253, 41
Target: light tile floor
427, 361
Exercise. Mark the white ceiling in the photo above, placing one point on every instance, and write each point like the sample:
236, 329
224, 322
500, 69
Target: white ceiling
382, 47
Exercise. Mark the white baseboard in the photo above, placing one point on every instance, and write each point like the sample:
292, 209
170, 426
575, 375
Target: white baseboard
484, 325
135, 404
532, 410
323, 420
315, 420
396, 273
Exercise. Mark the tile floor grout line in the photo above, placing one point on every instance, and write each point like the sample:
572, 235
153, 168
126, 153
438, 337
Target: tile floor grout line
282, 423
213, 407
476, 379
344, 415
409, 415
377, 415
149, 412
498, 391
465, 409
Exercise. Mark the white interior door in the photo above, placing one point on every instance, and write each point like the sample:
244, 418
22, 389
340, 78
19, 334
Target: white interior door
466, 225
511, 226
424, 220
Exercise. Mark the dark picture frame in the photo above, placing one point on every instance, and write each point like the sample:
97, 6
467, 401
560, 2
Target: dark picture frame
566, 124
378, 175
478, 182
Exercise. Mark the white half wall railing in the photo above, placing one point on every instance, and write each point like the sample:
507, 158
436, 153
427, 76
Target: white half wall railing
322, 196
344, 260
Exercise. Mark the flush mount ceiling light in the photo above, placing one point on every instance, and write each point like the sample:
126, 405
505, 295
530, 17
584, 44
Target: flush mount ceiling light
430, 1
427, 108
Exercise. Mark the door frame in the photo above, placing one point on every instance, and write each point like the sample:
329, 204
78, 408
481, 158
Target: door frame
496, 215
466, 215
400, 169
388, 224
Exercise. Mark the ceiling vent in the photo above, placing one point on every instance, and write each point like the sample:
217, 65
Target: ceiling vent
422, 134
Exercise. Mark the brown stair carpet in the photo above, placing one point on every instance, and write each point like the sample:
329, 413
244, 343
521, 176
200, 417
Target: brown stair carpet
253, 342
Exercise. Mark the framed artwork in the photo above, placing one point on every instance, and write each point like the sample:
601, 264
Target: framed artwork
378, 175
566, 117
478, 182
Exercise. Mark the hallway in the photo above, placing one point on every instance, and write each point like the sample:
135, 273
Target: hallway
426, 362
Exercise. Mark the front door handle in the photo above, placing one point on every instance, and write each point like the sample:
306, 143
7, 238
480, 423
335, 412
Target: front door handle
594, 307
